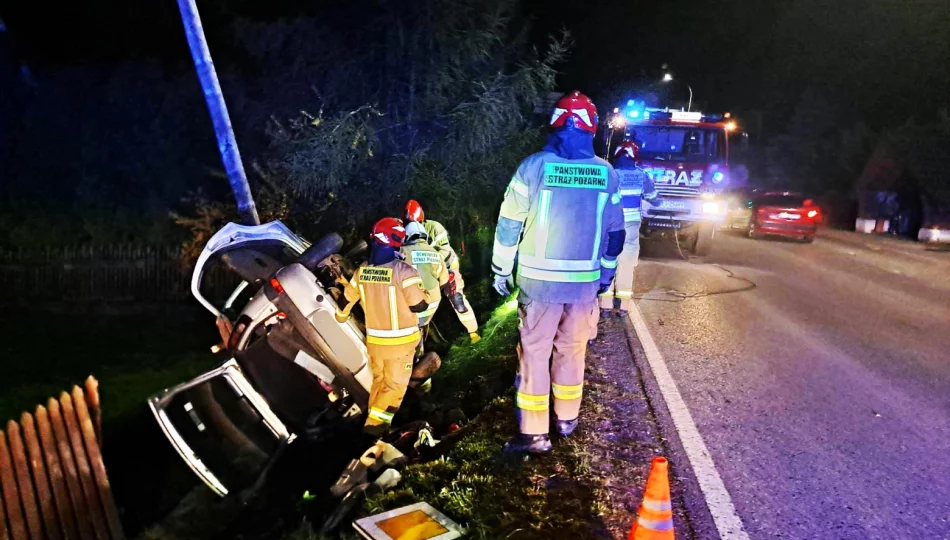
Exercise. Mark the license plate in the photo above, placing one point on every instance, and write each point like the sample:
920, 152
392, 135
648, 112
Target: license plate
785, 215
673, 205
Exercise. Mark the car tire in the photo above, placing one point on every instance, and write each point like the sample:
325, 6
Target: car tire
704, 239
750, 232
323, 248
808, 239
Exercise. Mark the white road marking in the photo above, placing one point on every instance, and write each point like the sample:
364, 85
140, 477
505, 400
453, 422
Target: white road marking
717, 496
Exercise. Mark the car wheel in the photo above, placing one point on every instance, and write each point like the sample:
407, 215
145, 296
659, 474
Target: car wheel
808, 239
751, 232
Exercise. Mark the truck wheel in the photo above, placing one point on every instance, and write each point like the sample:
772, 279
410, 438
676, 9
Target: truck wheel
704, 239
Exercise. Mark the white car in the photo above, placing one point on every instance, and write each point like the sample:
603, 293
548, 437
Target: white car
294, 371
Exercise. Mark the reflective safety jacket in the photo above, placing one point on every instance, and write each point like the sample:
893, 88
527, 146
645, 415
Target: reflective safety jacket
386, 291
565, 208
439, 239
635, 186
427, 261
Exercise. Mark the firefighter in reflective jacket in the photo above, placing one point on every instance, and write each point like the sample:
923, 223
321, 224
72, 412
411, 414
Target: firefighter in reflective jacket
391, 294
562, 217
439, 239
427, 261
635, 185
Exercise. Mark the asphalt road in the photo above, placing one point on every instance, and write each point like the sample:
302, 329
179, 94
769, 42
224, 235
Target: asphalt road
823, 393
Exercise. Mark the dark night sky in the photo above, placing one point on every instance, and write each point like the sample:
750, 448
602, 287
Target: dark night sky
877, 60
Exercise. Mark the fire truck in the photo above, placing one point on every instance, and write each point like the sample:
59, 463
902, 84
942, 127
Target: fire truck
687, 156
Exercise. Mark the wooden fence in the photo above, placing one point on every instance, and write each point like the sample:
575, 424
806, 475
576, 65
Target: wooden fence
53, 479
121, 273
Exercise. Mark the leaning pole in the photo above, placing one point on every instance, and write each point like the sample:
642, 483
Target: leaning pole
227, 145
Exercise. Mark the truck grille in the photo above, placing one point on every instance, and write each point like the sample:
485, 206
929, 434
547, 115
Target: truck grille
677, 191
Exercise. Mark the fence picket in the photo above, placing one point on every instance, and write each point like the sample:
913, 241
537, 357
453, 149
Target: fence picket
11, 495
82, 466
80, 510
27, 496
40, 478
56, 478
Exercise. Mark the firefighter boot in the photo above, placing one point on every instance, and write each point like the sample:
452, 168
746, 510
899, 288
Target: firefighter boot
423, 371
532, 444
566, 427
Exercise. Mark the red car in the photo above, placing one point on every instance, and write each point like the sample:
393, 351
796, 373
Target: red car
783, 214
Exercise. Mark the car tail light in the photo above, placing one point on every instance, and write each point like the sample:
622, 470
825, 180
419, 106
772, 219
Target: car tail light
277, 286
812, 213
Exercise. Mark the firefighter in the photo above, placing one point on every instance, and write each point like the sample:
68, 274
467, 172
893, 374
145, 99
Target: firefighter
562, 217
439, 239
635, 185
391, 293
427, 261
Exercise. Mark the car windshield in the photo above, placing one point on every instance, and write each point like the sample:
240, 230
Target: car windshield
784, 201
679, 143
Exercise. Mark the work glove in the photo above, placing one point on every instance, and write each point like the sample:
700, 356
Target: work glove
501, 284
450, 287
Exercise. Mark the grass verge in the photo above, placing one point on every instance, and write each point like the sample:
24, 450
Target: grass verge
492, 494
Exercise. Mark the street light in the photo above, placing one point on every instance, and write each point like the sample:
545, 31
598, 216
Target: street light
667, 77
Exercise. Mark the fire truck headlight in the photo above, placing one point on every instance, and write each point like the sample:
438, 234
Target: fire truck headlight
718, 177
712, 208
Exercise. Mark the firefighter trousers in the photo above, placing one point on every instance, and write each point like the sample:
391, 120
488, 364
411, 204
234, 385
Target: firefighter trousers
622, 286
545, 328
467, 319
392, 369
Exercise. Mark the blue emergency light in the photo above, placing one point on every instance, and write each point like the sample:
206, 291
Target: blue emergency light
635, 109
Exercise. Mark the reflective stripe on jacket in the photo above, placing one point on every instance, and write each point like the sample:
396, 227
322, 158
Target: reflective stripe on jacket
386, 291
635, 185
566, 208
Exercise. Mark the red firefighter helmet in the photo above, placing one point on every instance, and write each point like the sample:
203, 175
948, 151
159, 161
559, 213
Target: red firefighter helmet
628, 149
389, 232
578, 107
414, 211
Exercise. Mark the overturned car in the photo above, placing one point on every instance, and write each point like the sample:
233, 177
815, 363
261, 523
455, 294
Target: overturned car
294, 370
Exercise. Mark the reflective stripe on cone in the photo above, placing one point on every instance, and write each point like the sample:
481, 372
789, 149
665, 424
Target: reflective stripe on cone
655, 517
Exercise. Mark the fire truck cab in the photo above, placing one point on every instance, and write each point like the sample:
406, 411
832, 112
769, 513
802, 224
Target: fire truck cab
686, 154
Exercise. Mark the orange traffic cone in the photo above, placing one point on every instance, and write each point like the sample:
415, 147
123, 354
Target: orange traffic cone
655, 518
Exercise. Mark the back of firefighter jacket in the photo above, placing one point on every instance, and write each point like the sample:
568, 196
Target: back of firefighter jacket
439, 239
386, 291
567, 208
427, 261
635, 186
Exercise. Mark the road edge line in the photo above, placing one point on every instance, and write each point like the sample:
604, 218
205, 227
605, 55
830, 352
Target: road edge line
718, 501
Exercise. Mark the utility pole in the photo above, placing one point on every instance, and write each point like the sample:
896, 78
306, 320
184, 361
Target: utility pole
223, 131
